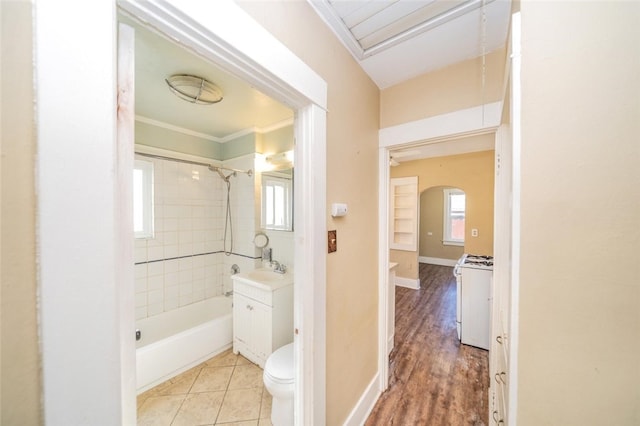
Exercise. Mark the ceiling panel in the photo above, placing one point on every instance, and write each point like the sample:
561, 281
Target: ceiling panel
395, 13
397, 40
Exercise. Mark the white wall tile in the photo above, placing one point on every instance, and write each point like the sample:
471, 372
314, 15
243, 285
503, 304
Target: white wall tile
141, 299
156, 282
141, 285
155, 309
140, 271
155, 268
189, 221
141, 312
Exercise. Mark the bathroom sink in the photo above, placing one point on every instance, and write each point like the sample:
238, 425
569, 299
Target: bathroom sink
265, 278
265, 275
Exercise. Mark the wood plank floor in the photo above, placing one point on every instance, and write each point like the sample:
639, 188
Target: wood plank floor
434, 379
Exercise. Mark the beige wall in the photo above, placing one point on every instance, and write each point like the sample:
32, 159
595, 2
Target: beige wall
450, 89
19, 356
431, 231
579, 352
473, 173
352, 141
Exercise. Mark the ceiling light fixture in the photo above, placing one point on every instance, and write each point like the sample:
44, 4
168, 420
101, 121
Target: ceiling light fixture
194, 89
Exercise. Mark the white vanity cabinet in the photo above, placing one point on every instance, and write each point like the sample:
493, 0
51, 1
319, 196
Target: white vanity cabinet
262, 318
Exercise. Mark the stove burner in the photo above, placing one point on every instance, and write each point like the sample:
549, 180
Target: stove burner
479, 262
479, 257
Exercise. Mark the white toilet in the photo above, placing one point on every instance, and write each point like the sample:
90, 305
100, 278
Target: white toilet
278, 379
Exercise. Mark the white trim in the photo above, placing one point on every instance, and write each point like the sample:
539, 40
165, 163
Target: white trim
310, 258
225, 139
383, 268
255, 129
78, 159
516, 102
364, 406
125, 142
163, 125
437, 261
474, 120
430, 130
83, 246
412, 283
146, 149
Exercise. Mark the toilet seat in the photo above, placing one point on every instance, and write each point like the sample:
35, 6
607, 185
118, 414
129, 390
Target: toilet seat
279, 366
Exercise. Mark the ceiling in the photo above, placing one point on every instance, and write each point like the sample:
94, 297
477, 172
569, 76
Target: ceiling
396, 40
242, 110
393, 40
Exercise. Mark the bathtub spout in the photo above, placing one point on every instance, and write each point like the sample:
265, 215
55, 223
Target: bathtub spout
228, 293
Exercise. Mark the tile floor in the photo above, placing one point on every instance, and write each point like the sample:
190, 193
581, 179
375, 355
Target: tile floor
225, 390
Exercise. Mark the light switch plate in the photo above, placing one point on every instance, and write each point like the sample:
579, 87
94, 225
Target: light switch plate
333, 241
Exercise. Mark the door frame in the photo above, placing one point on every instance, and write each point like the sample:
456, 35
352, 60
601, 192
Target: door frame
438, 129
85, 278
224, 34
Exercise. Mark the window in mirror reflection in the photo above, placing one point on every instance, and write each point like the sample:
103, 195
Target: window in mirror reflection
277, 201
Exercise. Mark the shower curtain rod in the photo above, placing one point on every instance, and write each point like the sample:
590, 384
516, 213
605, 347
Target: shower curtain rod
211, 167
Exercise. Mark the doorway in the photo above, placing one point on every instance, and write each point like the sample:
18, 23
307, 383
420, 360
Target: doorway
433, 137
85, 134
210, 46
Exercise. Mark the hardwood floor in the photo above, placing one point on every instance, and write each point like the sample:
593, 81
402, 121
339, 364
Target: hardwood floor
434, 379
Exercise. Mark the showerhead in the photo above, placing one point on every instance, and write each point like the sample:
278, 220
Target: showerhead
222, 175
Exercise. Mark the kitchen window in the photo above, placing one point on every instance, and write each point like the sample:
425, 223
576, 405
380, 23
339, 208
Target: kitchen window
143, 199
454, 212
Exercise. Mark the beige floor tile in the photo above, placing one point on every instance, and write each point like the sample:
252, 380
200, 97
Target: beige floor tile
212, 379
265, 422
249, 423
246, 376
225, 359
265, 407
159, 410
242, 360
179, 385
240, 405
199, 409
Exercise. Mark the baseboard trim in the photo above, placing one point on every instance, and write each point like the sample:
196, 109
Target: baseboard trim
365, 404
437, 261
413, 283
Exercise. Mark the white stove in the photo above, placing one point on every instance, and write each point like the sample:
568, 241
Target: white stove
476, 261
473, 302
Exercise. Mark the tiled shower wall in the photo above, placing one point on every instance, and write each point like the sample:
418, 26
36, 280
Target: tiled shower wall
185, 261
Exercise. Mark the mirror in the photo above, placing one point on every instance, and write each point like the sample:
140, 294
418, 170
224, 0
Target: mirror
261, 240
277, 200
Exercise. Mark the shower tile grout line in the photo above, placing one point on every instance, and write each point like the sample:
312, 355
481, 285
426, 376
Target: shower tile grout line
146, 262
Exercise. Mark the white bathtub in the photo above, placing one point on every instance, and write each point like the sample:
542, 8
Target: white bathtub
175, 341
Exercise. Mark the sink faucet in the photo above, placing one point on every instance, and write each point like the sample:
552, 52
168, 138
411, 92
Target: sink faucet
278, 267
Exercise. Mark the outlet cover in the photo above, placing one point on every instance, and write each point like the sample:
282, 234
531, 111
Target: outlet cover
333, 241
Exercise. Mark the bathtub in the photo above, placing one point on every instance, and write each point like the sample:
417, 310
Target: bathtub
174, 341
